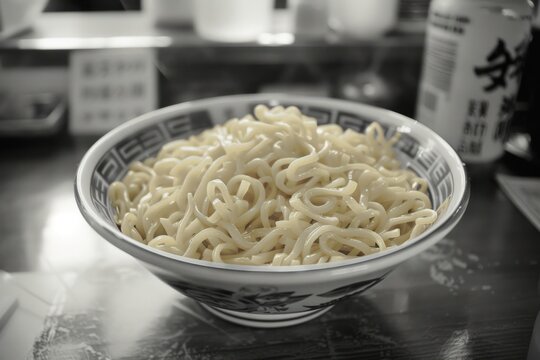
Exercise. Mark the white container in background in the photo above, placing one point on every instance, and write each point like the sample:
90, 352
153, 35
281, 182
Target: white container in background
107, 87
18, 15
169, 12
363, 19
471, 73
310, 17
233, 20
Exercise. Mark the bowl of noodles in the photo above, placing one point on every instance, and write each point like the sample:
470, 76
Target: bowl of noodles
268, 209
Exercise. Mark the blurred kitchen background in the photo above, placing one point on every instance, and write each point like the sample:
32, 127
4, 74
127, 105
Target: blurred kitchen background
70, 68
85, 66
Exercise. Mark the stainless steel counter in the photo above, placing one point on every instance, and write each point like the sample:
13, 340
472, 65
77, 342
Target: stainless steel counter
473, 296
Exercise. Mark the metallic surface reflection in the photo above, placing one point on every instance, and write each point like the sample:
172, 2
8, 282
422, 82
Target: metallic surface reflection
124, 313
473, 295
68, 242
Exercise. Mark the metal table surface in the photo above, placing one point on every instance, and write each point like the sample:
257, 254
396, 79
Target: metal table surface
475, 295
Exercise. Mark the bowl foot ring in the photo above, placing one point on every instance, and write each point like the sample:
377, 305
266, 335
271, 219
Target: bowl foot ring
265, 320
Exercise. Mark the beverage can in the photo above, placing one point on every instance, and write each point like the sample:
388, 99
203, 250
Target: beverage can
472, 68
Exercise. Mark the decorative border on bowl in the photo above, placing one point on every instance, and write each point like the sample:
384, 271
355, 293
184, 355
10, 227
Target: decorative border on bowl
147, 142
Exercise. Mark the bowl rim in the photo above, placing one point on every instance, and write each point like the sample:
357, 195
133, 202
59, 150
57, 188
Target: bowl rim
155, 256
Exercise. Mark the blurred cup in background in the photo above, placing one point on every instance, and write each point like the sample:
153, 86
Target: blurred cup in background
233, 20
363, 19
169, 12
18, 15
310, 17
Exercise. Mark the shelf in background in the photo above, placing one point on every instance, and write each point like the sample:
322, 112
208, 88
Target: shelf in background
106, 30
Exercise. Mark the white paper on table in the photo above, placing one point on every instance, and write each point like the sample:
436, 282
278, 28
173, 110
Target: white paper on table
8, 298
35, 294
525, 194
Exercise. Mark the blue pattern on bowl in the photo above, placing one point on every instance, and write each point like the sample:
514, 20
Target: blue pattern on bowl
147, 142
266, 296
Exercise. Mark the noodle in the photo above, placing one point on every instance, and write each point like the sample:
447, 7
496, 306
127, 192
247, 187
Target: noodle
275, 190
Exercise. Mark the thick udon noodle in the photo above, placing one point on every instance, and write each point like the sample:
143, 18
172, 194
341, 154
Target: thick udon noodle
275, 190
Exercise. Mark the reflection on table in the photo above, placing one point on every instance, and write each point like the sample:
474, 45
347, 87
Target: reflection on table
474, 295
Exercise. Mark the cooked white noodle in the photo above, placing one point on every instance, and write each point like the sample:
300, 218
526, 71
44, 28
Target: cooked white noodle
275, 190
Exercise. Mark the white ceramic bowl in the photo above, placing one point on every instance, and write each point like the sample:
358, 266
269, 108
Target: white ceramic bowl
267, 296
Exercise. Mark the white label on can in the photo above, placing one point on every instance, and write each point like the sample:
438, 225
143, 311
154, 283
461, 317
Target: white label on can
472, 68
